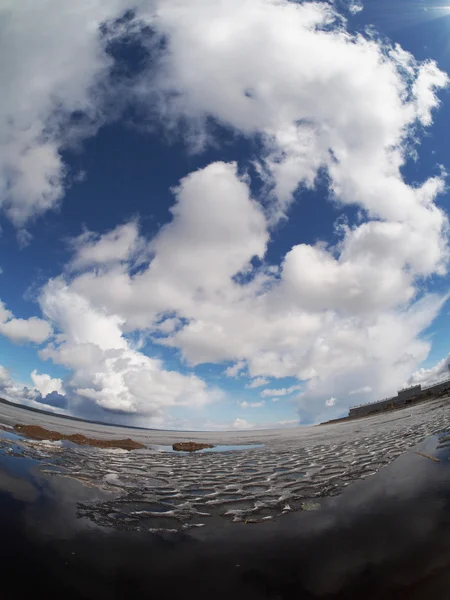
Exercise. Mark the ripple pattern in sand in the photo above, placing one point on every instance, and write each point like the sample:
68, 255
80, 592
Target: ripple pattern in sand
160, 491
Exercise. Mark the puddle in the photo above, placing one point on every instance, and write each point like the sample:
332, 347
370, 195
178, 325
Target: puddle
200, 492
436, 446
8, 435
299, 475
255, 489
219, 448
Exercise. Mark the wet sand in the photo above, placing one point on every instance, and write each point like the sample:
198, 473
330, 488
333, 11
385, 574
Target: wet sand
384, 537
348, 511
279, 472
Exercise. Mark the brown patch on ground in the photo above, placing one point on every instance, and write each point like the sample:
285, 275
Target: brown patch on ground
35, 432
190, 446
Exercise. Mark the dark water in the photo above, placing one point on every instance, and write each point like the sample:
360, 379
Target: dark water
387, 536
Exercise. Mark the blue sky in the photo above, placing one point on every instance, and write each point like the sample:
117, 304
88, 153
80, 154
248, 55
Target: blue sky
223, 215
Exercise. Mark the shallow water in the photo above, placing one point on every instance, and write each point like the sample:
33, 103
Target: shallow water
386, 537
259, 481
364, 518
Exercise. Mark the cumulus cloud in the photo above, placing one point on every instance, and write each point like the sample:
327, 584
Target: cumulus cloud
53, 64
17, 392
348, 108
347, 315
45, 384
123, 244
341, 317
441, 370
235, 369
23, 330
105, 368
331, 401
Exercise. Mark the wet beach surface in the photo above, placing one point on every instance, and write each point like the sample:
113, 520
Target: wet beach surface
355, 510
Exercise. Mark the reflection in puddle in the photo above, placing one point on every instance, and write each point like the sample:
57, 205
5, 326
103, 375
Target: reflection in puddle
9, 435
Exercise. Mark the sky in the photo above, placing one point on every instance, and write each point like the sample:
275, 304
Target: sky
222, 214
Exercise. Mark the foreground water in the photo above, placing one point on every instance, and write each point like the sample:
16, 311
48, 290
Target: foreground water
363, 518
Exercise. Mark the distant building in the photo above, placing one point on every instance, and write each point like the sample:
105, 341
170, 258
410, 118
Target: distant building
408, 393
403, 397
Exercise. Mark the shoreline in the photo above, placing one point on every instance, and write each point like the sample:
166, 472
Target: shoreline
11, 414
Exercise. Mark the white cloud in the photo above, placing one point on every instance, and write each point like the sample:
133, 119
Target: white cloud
351, 108
23, 330
428, 79
169, 325
346, 316
355, 6
106, 370
246, 404
331, 401
123, 244
366, 389
342, 318
52, 62
17, 392
347, 108
257, 382
276, 399
12, 390
428, 376
235, 369
46, 384
281, 392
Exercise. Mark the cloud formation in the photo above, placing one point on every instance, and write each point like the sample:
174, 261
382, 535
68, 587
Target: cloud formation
45, 384
33, 330
344, 317
438, 372
54, 64
30, 396
107, 370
